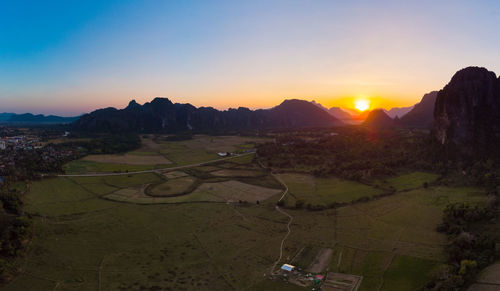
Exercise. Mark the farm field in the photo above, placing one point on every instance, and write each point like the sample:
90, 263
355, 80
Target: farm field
171, 245
190, 229
172, 187
324, 192
383, 240
156, 153
131, 159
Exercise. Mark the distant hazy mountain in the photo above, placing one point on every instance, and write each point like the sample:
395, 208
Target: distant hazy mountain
28, 118
161, 115
379, 119
336, 112
5, 116
422, 114
398, 111
467, 113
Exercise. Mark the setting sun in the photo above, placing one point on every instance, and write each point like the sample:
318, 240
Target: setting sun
362, 104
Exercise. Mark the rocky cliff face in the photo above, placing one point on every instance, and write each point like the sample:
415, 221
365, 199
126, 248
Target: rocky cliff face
161, 115
467, 110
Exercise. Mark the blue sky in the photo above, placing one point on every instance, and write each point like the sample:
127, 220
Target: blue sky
68, 57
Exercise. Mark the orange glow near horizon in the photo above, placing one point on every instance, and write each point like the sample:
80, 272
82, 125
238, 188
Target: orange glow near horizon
362, 104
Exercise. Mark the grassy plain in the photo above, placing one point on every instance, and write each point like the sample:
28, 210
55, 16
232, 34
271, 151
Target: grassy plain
325, 191
87, 238
84, 242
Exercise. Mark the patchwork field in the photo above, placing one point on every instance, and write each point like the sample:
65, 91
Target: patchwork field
207, 246
185, 229
156, 153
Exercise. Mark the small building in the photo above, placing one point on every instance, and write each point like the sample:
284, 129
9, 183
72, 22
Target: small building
3, 145
287, 267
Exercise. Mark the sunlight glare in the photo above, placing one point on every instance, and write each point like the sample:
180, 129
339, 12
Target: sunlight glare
362, 104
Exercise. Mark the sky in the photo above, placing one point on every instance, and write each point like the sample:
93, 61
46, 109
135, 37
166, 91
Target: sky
70, 57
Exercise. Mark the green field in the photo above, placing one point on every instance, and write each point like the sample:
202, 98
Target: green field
325, 191
411, 181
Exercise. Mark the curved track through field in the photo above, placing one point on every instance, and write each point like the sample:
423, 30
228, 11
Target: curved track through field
288, 225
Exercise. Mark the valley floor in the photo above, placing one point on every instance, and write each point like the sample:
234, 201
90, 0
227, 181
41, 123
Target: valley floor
85, 239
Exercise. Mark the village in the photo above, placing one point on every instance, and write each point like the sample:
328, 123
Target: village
28, 149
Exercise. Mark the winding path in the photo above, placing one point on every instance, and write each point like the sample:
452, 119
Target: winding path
287, 226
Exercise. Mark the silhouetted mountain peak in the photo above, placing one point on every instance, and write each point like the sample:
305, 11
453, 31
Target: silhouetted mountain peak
467, 110
422, 114
133, 105
378, 118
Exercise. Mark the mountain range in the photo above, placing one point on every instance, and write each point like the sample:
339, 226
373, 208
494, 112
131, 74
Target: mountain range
161, 115
465, 111
28, 118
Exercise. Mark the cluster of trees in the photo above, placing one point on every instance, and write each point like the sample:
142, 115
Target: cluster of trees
107, 144
361, 153
14, 228
470, 247
354, 153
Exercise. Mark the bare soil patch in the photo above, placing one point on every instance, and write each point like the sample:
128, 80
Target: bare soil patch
321, 261
175, 174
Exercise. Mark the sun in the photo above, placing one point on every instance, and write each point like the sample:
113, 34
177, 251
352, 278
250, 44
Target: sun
362, 104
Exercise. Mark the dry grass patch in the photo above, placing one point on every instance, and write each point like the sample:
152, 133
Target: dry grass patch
234, 191
130, 159
174, 174
236, 173
172, 187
